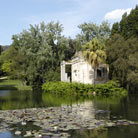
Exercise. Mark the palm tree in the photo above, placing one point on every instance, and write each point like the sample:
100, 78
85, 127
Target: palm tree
94, 53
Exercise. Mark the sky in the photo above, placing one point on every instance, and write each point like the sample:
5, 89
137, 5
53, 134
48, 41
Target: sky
16, 15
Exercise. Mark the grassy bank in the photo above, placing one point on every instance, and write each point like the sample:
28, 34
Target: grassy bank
12, 85
109, 88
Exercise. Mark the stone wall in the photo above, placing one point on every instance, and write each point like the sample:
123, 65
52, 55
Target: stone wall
82, 72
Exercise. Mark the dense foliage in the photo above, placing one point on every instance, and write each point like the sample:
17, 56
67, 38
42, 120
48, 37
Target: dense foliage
40, 50
91, 30
12, 62
94, 52
128, 26
110, 88
122, 51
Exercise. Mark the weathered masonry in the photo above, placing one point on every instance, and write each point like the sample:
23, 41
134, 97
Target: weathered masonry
79, 70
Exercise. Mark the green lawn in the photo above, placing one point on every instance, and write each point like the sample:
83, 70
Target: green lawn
13, 84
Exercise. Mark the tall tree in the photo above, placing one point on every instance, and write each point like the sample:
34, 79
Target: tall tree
1, 49
94, 53
91, 30
115, 29
117, 58
11, 61
122, 48
128, 26
121, 56
44, 48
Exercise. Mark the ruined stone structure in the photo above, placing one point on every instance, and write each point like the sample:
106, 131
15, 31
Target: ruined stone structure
79, 70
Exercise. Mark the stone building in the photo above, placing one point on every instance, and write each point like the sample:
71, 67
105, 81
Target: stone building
79, 70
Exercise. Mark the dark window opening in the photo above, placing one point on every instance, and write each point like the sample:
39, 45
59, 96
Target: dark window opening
68, 71
99, 73
104, 70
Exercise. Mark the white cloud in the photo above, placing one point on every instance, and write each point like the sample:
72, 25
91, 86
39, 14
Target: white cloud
116, 14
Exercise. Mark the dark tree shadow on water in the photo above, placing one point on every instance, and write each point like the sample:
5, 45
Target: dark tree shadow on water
8, 86
37, 97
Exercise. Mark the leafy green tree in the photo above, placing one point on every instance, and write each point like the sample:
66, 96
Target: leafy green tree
94, 53
132, 76
44, 48
122, 49
121, 56
117, 58
6, 67
115, 29
8, 61
91, 30
72, 49
128, 26
123, 26
1, 49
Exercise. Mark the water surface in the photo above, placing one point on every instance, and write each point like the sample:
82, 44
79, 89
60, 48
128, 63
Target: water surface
113, 108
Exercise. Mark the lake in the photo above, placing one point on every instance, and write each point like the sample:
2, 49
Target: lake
100, 108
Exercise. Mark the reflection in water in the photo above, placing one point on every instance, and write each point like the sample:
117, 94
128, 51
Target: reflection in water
119, 107
113, 108
84, 133
113, 132
15, 100
4, 92
37, 97
102, 114
84, 110
6, 135
123, 132
18, 127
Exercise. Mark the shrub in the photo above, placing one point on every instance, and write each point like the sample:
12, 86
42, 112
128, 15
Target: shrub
109, 88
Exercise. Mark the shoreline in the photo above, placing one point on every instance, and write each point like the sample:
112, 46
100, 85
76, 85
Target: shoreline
7, 84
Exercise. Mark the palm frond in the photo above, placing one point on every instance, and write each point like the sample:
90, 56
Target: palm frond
94, 52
